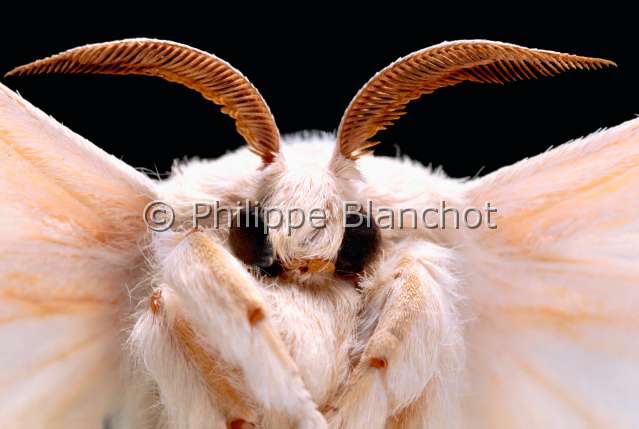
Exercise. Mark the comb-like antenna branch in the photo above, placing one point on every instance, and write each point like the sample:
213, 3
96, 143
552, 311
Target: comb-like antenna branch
383, 99
212, 77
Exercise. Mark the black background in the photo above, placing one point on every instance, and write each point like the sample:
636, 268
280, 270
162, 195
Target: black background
308, 63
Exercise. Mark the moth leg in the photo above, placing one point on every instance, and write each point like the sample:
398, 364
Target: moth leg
410, 346
197, 388
181, 388
227, 311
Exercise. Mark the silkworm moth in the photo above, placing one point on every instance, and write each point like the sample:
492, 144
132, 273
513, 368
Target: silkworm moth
348, 322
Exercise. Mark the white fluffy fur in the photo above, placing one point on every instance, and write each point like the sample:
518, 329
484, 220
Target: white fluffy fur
307, 364
327, 325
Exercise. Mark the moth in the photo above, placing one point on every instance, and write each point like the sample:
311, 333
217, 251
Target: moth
106, 322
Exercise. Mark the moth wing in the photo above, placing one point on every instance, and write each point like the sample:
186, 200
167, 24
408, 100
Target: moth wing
553, 291
70, 232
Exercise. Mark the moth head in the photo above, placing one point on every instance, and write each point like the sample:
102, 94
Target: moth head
320, 180
303, 202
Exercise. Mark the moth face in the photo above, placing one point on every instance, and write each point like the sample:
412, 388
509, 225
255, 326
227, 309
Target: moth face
299, 228
251, 242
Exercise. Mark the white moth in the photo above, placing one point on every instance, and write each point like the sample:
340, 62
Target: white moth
106, 323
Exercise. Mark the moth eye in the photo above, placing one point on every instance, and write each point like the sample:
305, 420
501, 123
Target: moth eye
250, 243
359, 245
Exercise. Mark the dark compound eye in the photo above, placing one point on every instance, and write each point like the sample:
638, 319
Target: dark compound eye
359, 245
250, 243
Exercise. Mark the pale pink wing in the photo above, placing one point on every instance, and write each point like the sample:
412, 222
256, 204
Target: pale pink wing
70, 235
553, 292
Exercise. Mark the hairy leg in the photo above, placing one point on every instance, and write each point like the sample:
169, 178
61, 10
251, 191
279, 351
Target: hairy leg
411, 348
223, 314
183, 393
